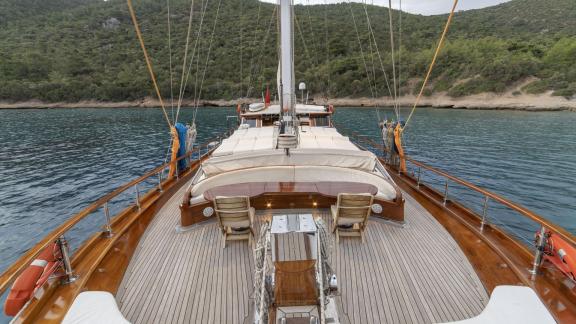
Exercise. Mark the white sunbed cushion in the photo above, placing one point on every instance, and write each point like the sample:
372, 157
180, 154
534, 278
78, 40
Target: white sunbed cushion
94, 307
512, 305
386, 190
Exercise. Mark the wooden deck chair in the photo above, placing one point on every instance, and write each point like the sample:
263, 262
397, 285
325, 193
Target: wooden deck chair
235, 217
351, 210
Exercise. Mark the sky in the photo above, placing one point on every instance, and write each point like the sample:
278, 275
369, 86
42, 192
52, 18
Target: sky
424, 7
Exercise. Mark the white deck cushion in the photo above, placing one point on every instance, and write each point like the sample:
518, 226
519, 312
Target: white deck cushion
386, 190
94, 307
360, 160
512, 305
262, 138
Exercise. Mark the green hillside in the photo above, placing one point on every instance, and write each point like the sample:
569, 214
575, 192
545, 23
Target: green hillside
71, 50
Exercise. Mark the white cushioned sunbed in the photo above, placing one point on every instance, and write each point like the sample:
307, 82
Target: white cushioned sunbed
386, 190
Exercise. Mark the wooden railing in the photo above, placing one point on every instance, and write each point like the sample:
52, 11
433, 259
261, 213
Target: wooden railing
57, 236
367, 143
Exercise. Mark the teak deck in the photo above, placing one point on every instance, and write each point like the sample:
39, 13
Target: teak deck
411, 274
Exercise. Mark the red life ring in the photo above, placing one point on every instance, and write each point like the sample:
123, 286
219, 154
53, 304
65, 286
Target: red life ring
561, 254
32, 278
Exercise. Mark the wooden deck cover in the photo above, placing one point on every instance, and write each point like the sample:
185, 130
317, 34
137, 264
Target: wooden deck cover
415, 274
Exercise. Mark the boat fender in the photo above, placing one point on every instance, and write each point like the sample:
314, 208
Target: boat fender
334, 282
31, 279
331, 108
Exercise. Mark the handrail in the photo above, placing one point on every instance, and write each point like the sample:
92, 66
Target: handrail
10, 274
514, 206
564, 234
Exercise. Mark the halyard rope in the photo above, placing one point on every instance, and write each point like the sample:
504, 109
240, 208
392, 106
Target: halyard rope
147, 58
431, 67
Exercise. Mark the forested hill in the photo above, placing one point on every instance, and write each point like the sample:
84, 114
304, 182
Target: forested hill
71, 50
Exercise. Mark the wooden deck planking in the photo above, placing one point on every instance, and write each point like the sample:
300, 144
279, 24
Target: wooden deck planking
415, 274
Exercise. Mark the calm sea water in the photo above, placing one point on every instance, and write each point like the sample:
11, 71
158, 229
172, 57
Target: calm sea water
53, 163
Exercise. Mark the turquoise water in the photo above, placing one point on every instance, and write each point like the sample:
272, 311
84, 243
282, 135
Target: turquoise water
55, 162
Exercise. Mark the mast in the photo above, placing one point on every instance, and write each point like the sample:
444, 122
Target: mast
287, 57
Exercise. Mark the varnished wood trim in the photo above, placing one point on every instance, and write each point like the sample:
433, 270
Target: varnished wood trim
91, 253
107, 255
516, 207
392, 210
7, 278
497, 258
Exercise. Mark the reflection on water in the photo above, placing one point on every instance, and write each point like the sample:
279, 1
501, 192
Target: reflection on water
55, 162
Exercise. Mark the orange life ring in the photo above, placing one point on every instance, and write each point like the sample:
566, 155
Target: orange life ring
32, 278
561, 254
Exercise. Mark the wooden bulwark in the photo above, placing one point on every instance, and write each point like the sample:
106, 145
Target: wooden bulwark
415, 274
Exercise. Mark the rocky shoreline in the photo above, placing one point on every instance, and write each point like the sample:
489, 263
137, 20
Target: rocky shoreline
487, 101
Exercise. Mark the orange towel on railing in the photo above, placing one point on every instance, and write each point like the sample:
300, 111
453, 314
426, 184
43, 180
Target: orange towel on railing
174, 155
398, 142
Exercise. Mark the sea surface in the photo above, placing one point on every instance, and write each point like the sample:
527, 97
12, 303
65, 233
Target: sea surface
55, 162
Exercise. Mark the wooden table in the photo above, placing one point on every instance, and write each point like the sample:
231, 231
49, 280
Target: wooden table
254, 189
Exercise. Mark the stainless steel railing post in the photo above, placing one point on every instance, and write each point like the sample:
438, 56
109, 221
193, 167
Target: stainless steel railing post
484, 213
539, 252
64, 250
445, 192
419, 174
137, 197
160, 181
107, 226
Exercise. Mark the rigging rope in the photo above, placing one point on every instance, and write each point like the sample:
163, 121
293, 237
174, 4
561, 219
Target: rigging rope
297, 23
399, 53
203, 7
363, 58
261, 53
253, 50
170, 54
185, 57
147, 58
431, 67
314, 43
327, 49
241, 20
392, 46
196, 94
377, 50
376, 108
207, 58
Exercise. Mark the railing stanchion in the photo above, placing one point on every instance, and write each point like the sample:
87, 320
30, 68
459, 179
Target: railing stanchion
160, 181
64, 250
137, 197
539, 252
484, 213
445, 192
107, 226
419, 174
